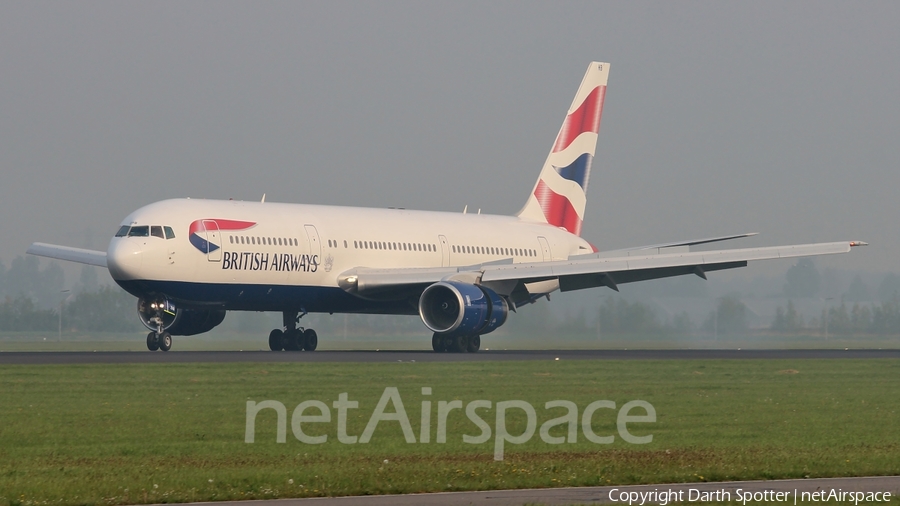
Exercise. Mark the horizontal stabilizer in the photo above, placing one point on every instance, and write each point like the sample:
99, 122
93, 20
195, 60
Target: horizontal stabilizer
662, 246
82, 256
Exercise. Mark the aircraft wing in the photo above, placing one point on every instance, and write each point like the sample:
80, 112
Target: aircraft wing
82, 256
521, 281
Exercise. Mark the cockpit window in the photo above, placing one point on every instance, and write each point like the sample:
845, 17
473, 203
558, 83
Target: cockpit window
170, 234
123, 231
156, 231
142, 231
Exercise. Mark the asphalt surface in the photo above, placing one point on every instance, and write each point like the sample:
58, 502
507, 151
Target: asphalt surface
158, 357
762, 492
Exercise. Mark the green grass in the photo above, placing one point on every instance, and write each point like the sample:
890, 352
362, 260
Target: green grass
119, 434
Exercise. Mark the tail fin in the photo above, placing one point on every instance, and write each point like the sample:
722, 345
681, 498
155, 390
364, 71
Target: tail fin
559, 196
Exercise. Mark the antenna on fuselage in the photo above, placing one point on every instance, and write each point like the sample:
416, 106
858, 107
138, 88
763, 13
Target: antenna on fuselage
264, 198
465, 208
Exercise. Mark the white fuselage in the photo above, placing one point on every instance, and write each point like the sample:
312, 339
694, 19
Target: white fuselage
273, 256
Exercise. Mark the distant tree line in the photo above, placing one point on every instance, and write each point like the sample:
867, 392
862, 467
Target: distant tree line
25, 277
31, 297
109, 309
876, 319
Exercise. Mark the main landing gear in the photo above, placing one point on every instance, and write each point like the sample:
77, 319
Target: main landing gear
293, 338
159, 341
455, 344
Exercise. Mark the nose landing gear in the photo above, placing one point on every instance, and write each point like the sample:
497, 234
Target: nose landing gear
159, 341
293, 338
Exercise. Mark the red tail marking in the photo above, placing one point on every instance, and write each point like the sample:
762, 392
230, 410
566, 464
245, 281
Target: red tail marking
557, 209
585, 119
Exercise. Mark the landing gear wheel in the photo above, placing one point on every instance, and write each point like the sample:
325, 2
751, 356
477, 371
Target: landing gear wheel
460, 344
310, 340
293, 340
437, 343
447, 343
152, 342
165, 341
474, 343
276, 340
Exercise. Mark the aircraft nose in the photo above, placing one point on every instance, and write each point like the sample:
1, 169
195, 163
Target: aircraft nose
124, 258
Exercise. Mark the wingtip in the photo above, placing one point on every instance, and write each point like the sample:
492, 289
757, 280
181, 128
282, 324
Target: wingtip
858, 243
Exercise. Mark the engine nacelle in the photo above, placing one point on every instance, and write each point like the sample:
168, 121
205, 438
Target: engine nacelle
452, 307
161, 314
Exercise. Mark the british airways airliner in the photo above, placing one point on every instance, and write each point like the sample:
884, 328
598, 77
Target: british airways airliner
188, 261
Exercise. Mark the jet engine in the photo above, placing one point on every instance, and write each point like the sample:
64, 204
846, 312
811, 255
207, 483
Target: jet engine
452, 307
161, 314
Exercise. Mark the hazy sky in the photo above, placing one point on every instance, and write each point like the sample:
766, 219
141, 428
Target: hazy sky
720, 117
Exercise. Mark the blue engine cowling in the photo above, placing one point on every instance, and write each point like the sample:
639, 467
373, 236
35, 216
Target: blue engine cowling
161, 314
452, 307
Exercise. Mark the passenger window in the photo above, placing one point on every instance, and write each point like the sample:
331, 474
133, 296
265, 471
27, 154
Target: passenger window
170, 234
143, 231
156, 231
123, 231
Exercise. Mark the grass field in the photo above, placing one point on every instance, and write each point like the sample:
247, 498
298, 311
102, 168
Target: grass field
125, 434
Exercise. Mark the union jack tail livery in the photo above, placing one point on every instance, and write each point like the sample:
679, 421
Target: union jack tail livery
559, 196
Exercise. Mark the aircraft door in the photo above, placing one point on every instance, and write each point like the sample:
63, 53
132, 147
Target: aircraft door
545, 248
445, 251
213, 244
315, 247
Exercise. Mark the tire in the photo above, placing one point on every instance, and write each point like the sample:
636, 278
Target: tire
152, 342
437, 343
276, 340
293, 340
460, 344
474, 343
446, 343
310, 340
165, 341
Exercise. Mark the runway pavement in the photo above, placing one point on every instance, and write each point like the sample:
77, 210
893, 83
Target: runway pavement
148, 357
761, 492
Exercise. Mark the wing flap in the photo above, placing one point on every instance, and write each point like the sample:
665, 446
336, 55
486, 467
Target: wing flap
82, 256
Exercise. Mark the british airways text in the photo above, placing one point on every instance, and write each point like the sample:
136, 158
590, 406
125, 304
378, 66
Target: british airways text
249, 261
